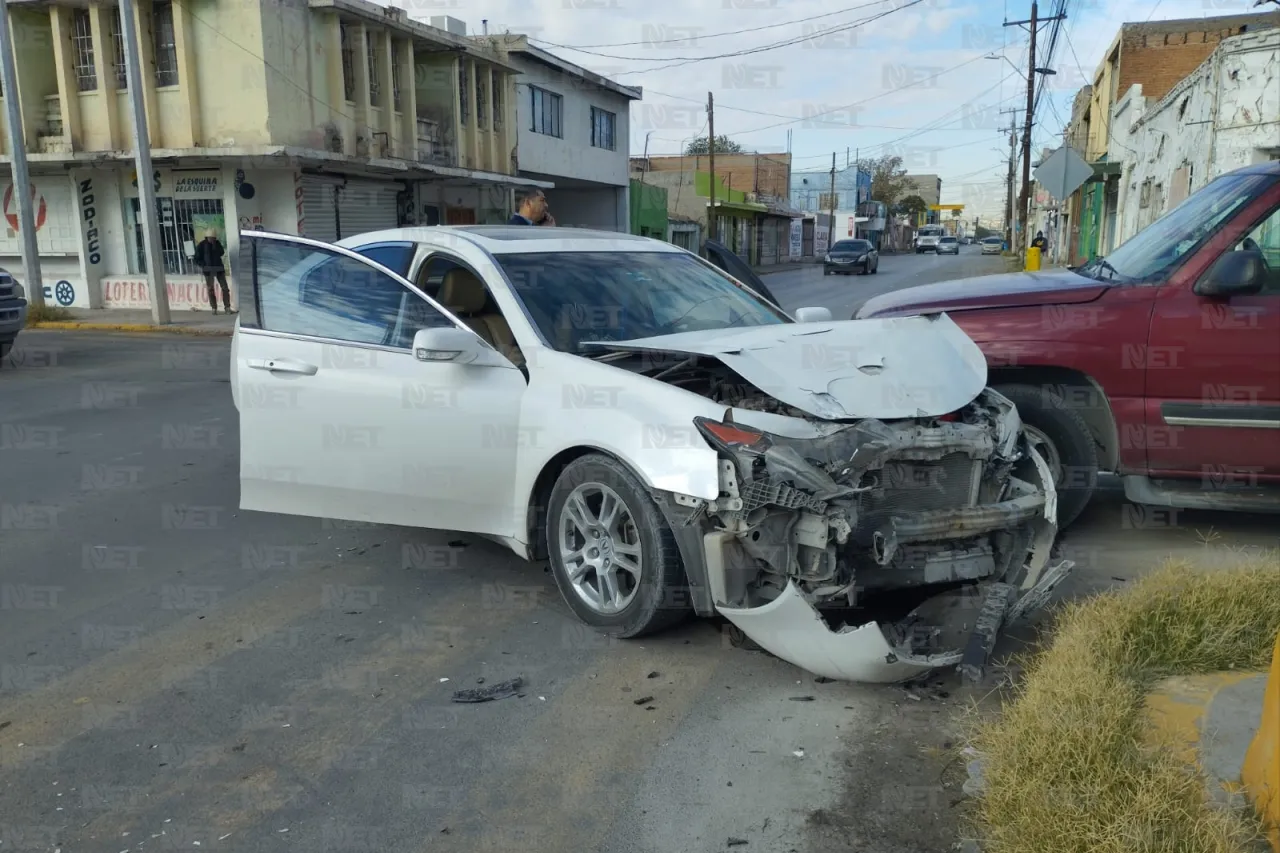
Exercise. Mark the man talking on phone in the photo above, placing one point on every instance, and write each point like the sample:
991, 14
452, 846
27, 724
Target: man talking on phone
533, 211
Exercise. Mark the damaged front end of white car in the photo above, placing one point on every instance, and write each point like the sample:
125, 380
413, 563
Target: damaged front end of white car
806, 525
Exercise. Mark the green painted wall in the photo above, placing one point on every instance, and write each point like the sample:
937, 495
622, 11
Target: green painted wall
702, 184
648, 210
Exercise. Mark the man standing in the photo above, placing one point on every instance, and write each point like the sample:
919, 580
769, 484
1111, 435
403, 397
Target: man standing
533, 211
1040, 242
209, 259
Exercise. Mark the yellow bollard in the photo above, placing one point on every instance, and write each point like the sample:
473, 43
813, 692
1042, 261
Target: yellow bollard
1261, 772
1033, 259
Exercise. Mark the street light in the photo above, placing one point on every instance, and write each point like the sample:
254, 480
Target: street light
1046, 71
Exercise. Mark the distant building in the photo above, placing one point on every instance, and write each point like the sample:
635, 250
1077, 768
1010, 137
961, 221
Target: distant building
929, 188
811, 189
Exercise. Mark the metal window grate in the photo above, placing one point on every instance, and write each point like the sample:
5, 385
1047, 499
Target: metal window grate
397, 97
481, 88
117, 48
348, 62
82, 42
371, 49
180, 222
166, 45
498, 82
464, 95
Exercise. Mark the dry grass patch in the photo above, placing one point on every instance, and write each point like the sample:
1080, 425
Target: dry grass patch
1068, 765
46, 314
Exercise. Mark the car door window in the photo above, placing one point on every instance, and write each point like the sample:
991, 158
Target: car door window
304, 290
396, 257
1266, 239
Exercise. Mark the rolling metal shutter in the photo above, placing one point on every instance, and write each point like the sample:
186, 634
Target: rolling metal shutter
367, 206
319, 207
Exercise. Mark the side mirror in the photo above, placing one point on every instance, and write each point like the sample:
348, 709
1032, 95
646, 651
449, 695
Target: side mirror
1236, 273
454, 346
812, 315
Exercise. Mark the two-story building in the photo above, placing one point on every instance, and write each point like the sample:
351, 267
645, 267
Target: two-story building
575, 132
323, 118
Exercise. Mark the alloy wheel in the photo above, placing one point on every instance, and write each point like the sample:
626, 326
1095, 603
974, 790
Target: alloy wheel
600, 548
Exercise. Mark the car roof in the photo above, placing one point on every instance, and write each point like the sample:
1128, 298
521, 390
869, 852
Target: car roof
511, 239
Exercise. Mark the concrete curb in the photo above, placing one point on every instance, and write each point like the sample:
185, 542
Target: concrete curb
1261, 773
74, 325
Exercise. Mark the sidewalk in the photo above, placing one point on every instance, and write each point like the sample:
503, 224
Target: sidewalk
139, 320
768, 269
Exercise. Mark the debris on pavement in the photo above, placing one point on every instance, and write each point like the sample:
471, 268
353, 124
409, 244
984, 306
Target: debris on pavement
801, 698
488, 693
737, 842
643, 701
799, 753
652, 675
822, 679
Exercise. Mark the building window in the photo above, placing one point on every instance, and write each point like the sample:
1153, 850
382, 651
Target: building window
397, 101
348, 62
82, 42
481, 89
546, 109
498, 82
166, 45
181, 224
602, 124
371, 48
117, 47
464, 94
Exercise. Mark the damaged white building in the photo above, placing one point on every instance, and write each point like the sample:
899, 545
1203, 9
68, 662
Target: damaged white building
1224, 115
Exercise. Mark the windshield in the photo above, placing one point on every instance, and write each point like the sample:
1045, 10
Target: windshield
930, 230
1155, 250
577, 297
947, 240
851, 246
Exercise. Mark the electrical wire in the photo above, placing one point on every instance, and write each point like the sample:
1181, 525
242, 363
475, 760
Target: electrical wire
583, 48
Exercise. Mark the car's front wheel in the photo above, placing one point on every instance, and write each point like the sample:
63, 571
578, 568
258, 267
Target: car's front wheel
613, 556
1062, 437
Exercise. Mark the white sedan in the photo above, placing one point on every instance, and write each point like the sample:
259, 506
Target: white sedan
669, 440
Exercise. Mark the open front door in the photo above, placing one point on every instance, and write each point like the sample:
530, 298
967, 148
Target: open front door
338, 419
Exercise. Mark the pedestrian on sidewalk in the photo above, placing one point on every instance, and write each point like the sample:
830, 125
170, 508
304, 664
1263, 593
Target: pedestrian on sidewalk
1040, 242
208, 258
533, 211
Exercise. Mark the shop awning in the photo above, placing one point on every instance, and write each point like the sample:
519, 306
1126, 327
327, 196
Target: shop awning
743, 207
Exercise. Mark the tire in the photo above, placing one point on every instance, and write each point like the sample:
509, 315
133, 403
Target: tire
4, 350
1066, 431
659, 599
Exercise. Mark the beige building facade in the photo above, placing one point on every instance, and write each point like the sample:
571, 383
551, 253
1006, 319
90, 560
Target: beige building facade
323, 118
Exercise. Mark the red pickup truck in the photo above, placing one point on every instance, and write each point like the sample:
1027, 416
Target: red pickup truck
1159, 362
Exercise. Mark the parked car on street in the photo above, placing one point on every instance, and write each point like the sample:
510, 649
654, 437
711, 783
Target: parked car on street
948, 246
1159, 362
992, 245
669, 441
848, 256
13, 312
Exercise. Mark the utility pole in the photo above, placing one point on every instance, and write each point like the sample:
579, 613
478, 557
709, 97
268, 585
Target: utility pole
142, 162
831, 229
712, 220
1013, 161
1024, 196
21, 178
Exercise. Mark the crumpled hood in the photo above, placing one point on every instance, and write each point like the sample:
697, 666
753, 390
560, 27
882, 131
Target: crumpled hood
905, 367
1007, 290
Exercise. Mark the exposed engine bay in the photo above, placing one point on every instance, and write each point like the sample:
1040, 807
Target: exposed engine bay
941, 489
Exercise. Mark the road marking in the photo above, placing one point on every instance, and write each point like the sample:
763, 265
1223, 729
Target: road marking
50, 716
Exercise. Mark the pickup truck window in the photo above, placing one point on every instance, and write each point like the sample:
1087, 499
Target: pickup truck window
1153, 252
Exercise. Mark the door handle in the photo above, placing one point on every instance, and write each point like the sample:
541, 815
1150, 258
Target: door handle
283, 365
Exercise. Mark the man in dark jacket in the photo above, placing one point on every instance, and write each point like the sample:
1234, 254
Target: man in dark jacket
1040, 242
533, 211
208, 258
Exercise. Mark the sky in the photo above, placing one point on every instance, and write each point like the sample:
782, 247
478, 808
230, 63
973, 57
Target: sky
907, 77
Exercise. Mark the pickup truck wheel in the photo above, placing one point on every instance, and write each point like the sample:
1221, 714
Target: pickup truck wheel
613, 557
1064, 441
4, 350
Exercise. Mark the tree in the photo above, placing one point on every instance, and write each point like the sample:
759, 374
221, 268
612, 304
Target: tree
724, 145
911, 206
888, 179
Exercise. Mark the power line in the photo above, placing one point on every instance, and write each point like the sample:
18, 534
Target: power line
584, 48
681, 61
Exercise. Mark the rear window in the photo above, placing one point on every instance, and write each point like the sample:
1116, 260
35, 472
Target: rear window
947, 240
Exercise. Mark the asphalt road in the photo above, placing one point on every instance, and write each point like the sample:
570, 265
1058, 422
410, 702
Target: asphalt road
174, 671
844, 294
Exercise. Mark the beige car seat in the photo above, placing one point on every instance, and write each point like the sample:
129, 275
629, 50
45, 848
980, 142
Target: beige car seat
465, 295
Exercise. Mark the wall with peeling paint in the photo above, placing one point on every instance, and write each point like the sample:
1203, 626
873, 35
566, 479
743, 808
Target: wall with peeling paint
1222, 116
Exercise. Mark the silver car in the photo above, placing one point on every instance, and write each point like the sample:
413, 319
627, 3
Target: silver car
948, 246
992, 246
